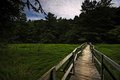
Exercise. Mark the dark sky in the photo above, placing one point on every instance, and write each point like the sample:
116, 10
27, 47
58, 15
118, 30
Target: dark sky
61, 8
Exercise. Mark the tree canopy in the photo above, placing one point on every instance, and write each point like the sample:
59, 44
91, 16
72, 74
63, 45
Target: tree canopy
98, 21
11, 10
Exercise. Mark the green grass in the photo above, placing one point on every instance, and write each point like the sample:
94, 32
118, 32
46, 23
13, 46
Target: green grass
111, 50
30, 61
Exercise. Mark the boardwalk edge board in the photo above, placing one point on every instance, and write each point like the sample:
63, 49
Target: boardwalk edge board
51, 73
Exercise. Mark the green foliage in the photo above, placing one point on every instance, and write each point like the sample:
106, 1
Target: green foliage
111, 50
11, 11
98, 18
96, 23
30, 61
114, 34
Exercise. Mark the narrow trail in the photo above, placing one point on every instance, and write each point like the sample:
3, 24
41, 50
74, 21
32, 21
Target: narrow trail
84, 68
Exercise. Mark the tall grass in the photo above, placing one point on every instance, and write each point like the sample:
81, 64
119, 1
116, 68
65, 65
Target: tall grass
111, 50
30, 61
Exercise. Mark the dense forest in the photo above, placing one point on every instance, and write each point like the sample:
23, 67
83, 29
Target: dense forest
98, 22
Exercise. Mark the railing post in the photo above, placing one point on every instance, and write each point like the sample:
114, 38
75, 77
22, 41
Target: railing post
92, 56
102, 68
92, 51
73, 56
69, 61
78, 53
53, 74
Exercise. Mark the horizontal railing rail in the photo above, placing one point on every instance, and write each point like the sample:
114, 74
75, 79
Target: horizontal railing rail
70, 58
105, 64
113, 63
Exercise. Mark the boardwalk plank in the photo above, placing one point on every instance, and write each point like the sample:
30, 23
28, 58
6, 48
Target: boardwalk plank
84, 68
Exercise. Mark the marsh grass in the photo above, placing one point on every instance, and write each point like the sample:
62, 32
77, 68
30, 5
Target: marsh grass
30, 61
110, 50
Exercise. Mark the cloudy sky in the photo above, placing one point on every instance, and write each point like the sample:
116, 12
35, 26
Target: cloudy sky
61, 8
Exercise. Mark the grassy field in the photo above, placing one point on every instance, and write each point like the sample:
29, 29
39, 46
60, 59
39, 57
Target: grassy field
111, 50
30, 61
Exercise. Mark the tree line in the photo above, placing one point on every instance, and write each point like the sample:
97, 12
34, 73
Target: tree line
98, 22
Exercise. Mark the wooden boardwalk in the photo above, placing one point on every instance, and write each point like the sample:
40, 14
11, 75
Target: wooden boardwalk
84, 68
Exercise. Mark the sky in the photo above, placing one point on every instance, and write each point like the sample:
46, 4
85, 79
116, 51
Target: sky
61, 8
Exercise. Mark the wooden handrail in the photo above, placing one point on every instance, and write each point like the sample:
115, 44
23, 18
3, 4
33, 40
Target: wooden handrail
113, 63
47, 76
51, 74
102, 64
63, 61
67, 72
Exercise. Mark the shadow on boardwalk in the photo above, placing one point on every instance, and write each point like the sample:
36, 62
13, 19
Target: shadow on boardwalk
84, 68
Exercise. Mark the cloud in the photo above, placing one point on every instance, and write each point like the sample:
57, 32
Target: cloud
32, 15
116, 3
61, 8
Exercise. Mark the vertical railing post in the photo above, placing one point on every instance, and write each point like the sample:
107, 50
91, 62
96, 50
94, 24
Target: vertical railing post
53, 74
82, 49
78, 52
73, 56
102, 67
92, 57
69, 61
92, 51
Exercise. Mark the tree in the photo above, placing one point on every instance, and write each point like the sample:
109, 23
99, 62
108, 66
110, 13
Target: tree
96, 19
88, 5
10, 12
114, 35
49, 32
105, 3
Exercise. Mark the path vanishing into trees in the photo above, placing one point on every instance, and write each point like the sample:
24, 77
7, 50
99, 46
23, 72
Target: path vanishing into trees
84, 68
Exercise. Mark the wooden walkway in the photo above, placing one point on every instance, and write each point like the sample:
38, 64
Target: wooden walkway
84, 68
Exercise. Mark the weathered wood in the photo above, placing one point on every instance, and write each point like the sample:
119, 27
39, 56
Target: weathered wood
110, 73
102, 68
74, 50
63, 61
73, 57
76, 55
67, 72
47, 75
51, 74
103, 65
97, 61
113, 63
79, 52
84, 68
67, 65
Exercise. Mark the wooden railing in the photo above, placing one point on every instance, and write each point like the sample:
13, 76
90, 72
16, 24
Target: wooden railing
108, 69
67, 62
